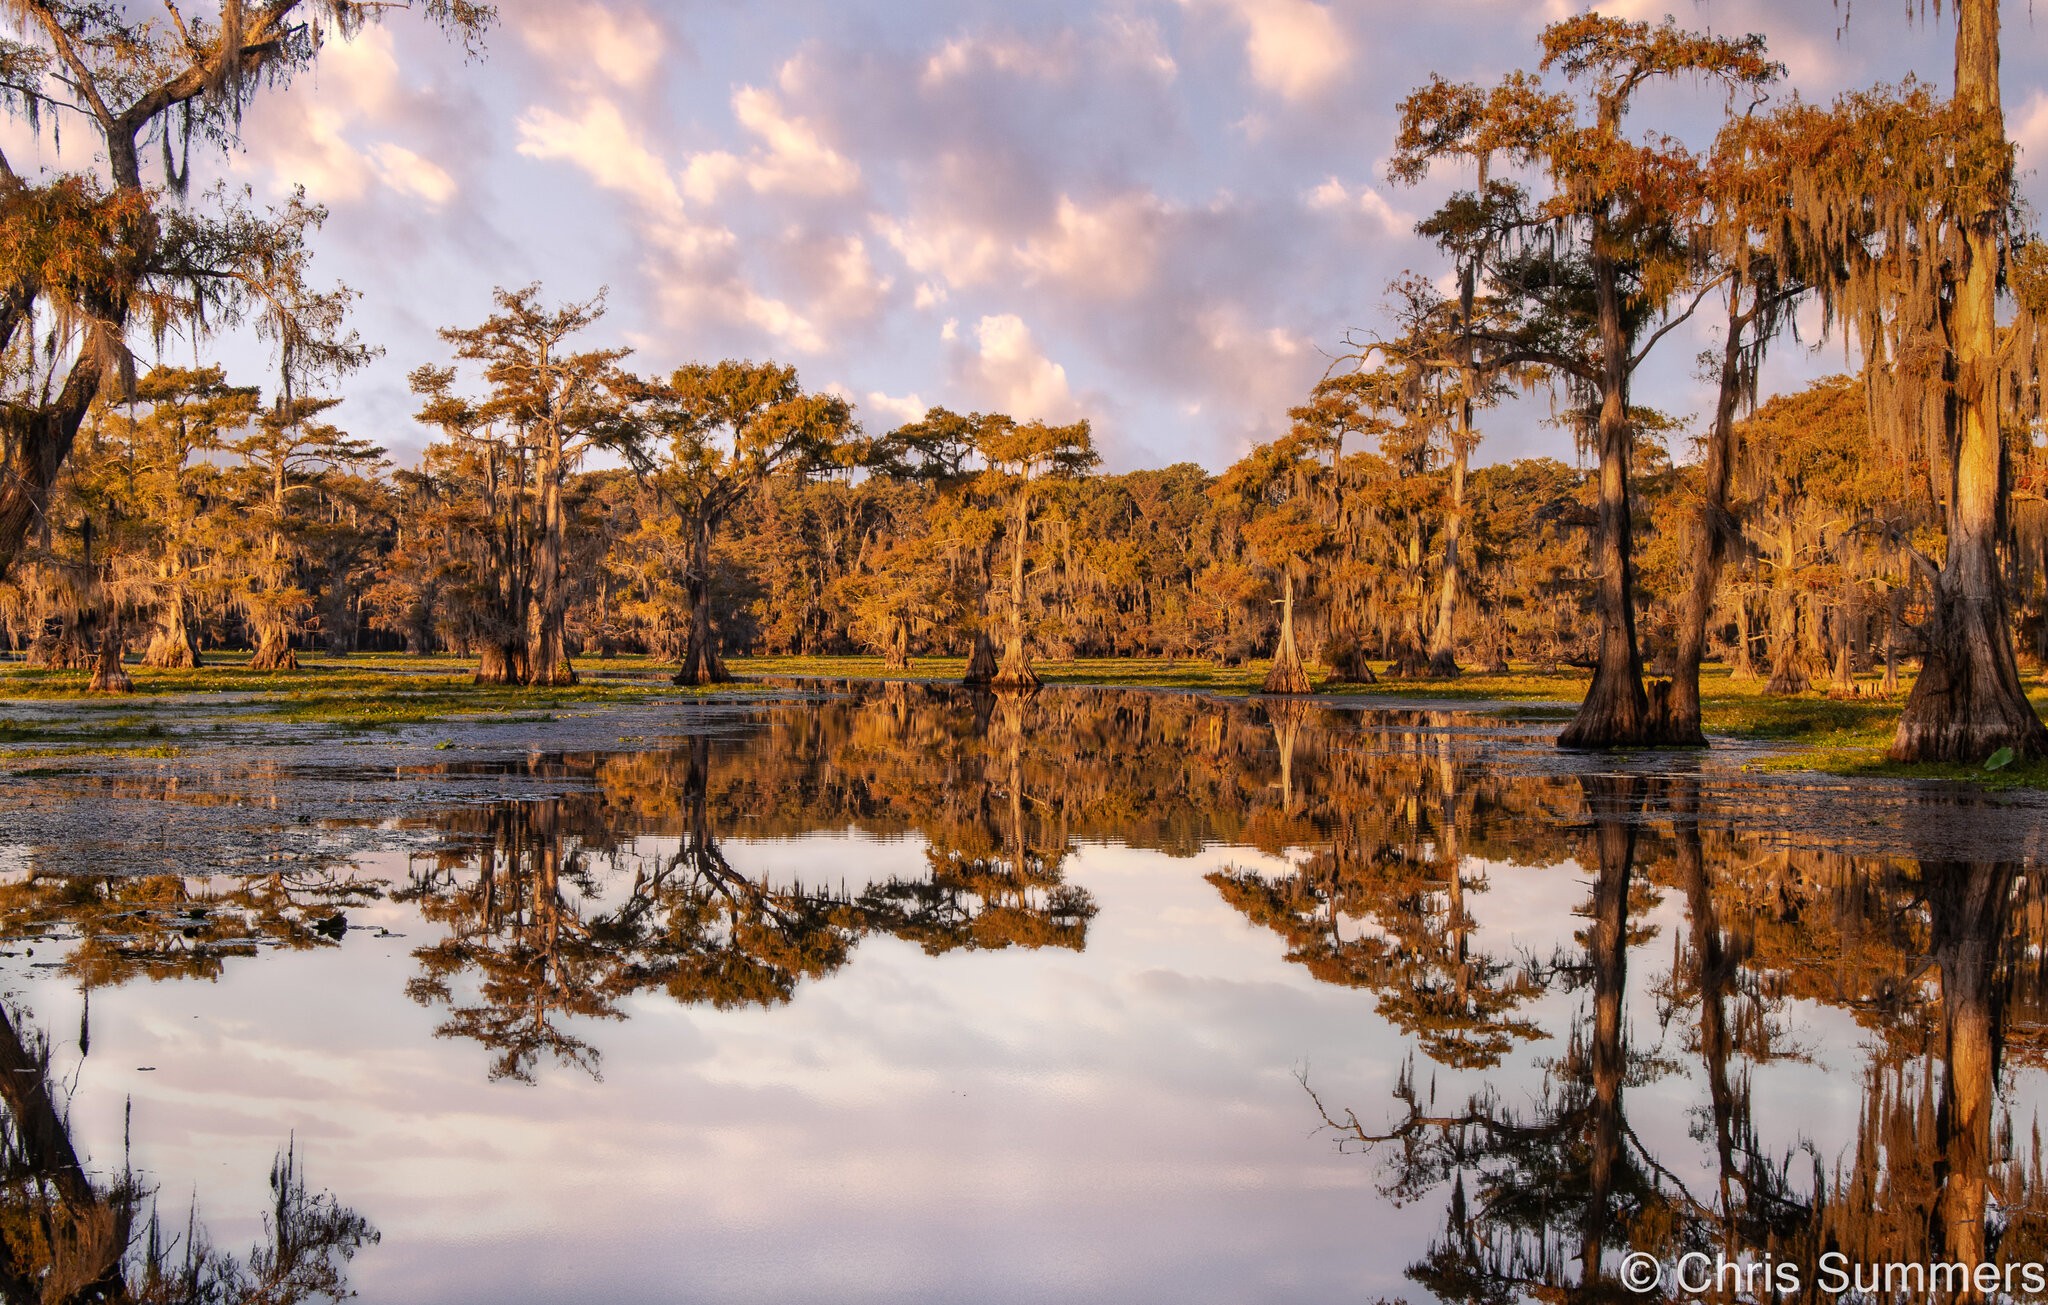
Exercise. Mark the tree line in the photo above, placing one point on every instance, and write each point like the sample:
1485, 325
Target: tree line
743, 511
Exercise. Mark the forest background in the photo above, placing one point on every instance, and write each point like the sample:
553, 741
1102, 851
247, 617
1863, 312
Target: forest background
569, 505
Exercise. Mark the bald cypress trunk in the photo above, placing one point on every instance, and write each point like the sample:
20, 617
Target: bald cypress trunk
1616, 712
551, 660
1015, 671
1443, 649
981, 663
1969, 700
1709, 542
1288, 675
107, 675
702, 663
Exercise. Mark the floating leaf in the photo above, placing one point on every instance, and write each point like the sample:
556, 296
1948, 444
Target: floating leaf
1999, 760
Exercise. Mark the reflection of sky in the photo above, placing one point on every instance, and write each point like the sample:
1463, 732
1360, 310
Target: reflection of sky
1120, 1124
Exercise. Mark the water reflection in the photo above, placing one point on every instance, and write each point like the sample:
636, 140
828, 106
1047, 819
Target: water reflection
69, 1236
1542, 1200
1628, 1003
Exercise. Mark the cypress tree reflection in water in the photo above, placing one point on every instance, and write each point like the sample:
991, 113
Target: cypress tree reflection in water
1940, 961
1664, 939
71, 1236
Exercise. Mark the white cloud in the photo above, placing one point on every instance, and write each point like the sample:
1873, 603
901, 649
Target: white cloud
318, 138
1013, 372
408, 173
706, 175
1110, 252
595, 44
898, 410
2030, 131
961, 253
1117, 41
1333, 196
601, 143
962, 55
796, 160
1296, 48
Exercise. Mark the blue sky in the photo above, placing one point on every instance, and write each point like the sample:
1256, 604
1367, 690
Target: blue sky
1163, 215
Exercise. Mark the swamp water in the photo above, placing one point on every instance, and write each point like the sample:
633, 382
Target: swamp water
894, 993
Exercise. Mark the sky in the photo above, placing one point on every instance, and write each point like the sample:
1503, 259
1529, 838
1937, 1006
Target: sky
1162, 215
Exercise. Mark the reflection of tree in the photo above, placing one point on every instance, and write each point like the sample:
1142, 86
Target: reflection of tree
533, 958
68, 1239
687, 921
1556, 1189
1543, 1199
1381, 904
995, 865
1933, 1175
174, 926
704, 932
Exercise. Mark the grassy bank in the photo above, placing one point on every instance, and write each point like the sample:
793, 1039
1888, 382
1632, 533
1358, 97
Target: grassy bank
386, 691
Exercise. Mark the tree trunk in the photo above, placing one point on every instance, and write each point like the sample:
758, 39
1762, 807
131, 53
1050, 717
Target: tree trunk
1016, 672
1969, 701
899, 647
1846, 617
1616, 712
981, 663
1970, 906
702, 663
1709, 542
1894, 617
1745, 640
1614, 804
502, 662
107, 675
173, 647
551, 661
1443, 650
274, 652
37, 440
1788, 675
1288, 675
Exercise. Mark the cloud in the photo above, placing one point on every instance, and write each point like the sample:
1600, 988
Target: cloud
1110, 252
1296, 48
897, 410
1117, 40
1014, 374
599, 141
594, 44
961, 253
330, 137
1333, 196
971, 55
794, 160
2030, 131
408, 173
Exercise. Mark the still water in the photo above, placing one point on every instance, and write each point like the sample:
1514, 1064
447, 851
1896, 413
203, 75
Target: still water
905, 994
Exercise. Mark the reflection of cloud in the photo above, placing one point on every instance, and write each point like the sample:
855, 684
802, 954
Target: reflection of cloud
933, 1124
